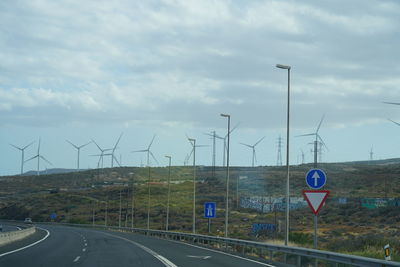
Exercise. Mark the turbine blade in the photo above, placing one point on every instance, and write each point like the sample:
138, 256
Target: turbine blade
202, 145
392, 103
34, 157
85, 144
43, 158
38, 147
394, 122
28, 145
154, 136
96, 145
116, 160
319, 125
190, 155
144, 150
16, 147
151, 154
72, 144
305, 135
116, 144
322, 141
234, 128
259, 141
246, 145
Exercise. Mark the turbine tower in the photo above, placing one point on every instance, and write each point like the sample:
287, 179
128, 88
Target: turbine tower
317, 139
253, 147
22, 149
149, 153
38, 156
78, 148
214, 137
371, 154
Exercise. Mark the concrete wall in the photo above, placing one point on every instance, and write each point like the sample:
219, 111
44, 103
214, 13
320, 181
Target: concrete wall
9, 237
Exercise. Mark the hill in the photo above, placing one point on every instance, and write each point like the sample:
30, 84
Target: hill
76, 196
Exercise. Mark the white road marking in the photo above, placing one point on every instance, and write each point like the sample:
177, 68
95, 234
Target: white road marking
84, 249
77, 258
164, 260
30, 245
224, 253
199, 257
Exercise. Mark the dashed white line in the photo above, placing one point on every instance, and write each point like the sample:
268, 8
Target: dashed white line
84, 249
30, 245
77, 258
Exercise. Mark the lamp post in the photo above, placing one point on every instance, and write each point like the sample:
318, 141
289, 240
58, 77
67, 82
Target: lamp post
133, 199
169, 190
148, 202
120, 208
227, 177
193, 142
286, 67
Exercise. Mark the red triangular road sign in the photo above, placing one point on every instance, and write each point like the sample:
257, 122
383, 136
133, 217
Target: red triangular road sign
315, 199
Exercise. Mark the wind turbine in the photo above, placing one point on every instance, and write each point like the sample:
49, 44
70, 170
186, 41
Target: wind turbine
101, 154
79, 150
113, 150
38, 156
371, 154
22, 149
149, 153
317, 139
253, 147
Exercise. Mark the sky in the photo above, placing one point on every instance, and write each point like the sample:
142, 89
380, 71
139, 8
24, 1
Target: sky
82, 70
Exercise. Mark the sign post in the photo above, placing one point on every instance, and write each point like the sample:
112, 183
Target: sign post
210, 212
315, 199
315, 179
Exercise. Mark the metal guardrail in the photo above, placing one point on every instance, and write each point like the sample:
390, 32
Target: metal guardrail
275, 254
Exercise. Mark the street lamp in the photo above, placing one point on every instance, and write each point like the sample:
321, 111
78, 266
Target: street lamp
193, 143
227, 177
286, 67
169, 190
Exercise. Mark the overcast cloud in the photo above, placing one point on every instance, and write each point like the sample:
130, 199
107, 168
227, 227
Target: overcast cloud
179, 63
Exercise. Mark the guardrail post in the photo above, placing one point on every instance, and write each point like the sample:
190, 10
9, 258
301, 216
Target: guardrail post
298, 260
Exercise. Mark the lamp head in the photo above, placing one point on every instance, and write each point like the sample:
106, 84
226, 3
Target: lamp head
285, 67
225, 115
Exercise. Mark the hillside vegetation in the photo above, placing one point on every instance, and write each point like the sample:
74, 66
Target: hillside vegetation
75, 197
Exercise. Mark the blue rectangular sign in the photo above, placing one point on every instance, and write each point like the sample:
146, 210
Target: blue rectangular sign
210, 209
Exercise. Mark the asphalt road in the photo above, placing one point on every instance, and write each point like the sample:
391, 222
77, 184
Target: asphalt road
9, 228
67, 246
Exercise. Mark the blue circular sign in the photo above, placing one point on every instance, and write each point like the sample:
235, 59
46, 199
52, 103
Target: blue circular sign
315, 178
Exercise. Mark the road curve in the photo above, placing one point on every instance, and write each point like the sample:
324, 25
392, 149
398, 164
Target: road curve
68, 246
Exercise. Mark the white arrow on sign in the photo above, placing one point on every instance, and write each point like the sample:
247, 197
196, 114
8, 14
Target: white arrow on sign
315, 177
315, 199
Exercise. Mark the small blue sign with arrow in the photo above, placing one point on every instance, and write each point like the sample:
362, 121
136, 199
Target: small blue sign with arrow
209, 209
315, 178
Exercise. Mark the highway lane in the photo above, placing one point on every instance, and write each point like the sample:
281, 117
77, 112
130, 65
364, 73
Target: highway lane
67, 246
